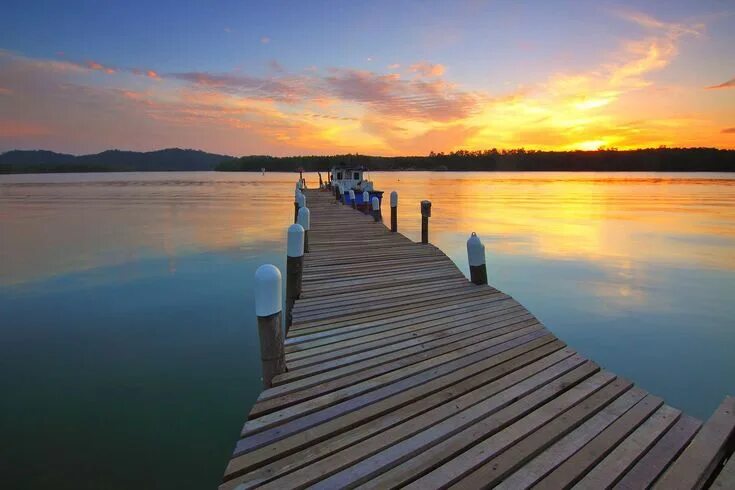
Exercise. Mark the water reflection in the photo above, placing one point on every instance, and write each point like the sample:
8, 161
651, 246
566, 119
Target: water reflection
122, 292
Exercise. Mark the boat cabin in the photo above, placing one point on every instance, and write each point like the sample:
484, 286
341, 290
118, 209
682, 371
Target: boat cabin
350, 178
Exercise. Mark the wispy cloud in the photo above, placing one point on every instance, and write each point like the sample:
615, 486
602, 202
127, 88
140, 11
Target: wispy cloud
390, 95
728, 84
728, 131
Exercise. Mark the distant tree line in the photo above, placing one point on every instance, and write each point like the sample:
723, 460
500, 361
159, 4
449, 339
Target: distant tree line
611, 159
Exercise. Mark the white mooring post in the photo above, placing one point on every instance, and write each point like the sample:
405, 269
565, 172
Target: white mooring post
376, 209
394, 211
268, 311
342, 193
302, 200
476, 258
294, 268
366, 202
305, 221
352, 199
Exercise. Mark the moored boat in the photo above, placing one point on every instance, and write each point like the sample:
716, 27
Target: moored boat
349, 178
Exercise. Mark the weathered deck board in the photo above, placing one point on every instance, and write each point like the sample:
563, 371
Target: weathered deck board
403, 373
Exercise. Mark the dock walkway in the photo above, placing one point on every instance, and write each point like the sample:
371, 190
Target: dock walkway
403, 373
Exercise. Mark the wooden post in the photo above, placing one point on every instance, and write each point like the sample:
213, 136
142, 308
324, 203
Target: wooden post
366, 202
305, 222
294, 268
296, 204
394, 211
476, 258
376, 209
352, 199
341, 193
425, 215
268, 311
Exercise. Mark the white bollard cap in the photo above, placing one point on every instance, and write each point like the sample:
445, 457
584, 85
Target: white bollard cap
475, 250
304, 218
352, 195
393, 199
295, 242
376, 203
341, 189
301, 199
267, 290
365, 197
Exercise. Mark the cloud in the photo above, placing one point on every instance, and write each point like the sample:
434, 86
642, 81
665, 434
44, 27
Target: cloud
394, 66
728, 84
265, 40
152, 74
286, 89
425, 69
728, 131
391, 96
20, 129
93, 65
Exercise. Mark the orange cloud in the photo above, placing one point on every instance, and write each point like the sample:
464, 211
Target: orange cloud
152, 74
428, 69
20, 129
93, 65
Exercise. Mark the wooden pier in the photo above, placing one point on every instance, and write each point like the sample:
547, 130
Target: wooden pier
401, 372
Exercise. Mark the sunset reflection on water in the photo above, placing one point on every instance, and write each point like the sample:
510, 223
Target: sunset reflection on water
123, 295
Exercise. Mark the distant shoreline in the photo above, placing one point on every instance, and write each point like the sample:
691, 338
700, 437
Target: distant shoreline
178, 160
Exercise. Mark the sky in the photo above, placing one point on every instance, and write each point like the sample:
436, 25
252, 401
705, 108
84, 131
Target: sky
375, 77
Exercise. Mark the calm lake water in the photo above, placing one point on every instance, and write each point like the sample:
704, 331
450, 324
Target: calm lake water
128, 346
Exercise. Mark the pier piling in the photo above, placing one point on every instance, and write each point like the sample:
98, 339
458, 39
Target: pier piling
366, 202
352, 199
394, 211
268, 311
294, 268
425, 215
297, 193
376, 209
476, 258
305, 221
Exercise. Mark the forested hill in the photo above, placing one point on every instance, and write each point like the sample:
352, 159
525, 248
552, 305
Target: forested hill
654, 159
39, 161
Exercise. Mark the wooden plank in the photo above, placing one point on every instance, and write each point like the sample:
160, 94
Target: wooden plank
660, 456
330, 381
575, 467
392, 380
420, 332
559, 452
416, 456
478, 402
706, 452
608, 471
408, 316
445, 387
726, 478
497, 467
